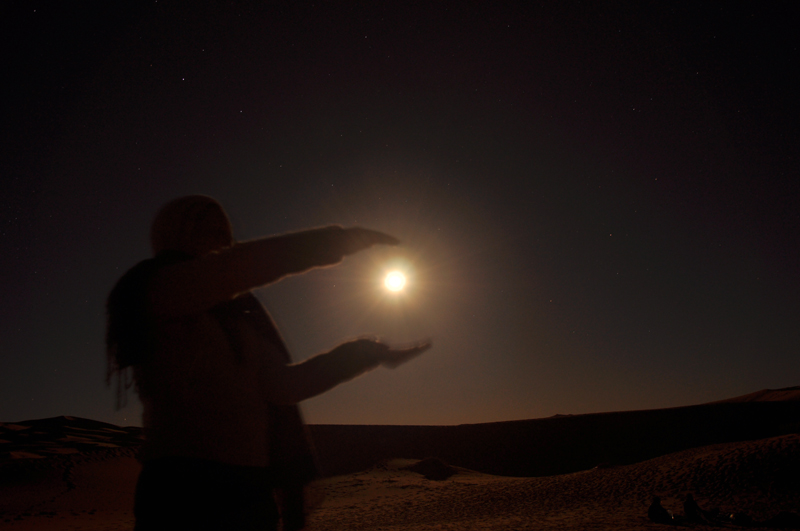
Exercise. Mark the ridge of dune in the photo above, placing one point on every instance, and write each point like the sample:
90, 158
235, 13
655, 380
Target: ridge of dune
786, 394
556, 445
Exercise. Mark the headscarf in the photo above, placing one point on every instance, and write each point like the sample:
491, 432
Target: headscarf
174, 224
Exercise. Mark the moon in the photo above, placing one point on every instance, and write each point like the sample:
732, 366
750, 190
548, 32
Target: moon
395, 281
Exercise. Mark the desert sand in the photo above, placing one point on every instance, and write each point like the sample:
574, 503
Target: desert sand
70, 473
749, 476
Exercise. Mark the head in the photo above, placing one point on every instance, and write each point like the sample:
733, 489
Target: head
194, 224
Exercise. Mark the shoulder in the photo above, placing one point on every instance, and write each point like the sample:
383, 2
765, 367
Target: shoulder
134, 282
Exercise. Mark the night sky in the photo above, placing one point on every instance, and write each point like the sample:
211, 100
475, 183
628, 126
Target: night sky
598, 201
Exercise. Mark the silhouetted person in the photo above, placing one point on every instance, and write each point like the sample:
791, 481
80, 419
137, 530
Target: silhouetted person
657, 513
222, 429
692, 511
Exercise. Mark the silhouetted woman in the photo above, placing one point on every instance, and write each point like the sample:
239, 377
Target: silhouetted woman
222, 429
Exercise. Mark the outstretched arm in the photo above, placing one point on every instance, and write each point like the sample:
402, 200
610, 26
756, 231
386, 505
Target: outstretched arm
290, 384
198, 284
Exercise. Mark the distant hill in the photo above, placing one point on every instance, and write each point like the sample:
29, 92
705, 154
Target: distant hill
787, 394
537, 447
557, 445
63, 436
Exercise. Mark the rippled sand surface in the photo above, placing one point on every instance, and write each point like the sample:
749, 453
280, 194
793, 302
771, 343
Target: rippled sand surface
83, 479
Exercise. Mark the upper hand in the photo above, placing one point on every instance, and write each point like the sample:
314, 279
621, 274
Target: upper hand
357, 239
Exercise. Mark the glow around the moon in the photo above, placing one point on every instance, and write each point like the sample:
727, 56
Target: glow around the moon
395, 281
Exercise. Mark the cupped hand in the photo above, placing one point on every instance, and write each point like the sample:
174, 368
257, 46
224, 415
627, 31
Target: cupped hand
394, 357
375, 353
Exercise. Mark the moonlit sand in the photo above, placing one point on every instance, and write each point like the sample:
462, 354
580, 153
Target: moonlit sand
71, 473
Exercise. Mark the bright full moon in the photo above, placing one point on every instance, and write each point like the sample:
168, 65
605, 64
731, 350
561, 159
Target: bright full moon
395, 281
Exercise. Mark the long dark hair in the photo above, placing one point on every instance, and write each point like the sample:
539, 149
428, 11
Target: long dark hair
130, 327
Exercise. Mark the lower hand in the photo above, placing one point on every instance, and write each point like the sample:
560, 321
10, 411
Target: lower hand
394, 357
382, 354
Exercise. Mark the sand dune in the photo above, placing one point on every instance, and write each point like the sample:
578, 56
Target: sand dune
35, 439
594, 471
758, 477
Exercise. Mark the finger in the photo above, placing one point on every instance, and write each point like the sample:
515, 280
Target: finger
381, 238
359, 239
396, 357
